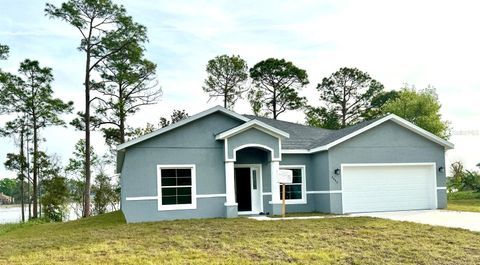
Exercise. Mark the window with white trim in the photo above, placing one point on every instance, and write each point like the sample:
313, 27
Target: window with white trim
296, 191
176, 187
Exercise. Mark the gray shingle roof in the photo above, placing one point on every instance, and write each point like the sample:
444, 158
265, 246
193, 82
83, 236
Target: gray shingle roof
306, 137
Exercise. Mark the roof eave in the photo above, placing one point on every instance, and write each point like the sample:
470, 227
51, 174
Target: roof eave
398, 120
181, 123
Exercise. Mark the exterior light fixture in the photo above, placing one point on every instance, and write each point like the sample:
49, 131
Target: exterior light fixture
441, 169
337, 171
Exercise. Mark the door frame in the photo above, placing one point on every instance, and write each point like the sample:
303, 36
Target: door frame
257, 167
432, 165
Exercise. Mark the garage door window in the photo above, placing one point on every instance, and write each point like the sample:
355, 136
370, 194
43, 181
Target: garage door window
296, 192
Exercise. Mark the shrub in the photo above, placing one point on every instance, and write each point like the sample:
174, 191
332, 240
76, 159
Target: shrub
461, 179
55, 198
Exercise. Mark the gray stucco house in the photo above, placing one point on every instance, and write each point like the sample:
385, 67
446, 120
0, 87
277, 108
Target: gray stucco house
218, 163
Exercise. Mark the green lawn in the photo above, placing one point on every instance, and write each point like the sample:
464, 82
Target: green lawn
468, 201
108, 240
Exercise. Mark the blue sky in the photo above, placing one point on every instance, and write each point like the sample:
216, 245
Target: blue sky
420, 43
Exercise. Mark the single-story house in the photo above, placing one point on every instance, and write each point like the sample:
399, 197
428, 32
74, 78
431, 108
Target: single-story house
219, 163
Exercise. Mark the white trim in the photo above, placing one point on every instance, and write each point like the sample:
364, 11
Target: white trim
181, 123
261, 126
433, 165
386, 164
190, 206
258, 167
226, 150
391, 117
201, 196
272, 153
302, 168
274, 187
295, 151
148, 198
441, 188
311, 192
230, 183
323, 191
141, 198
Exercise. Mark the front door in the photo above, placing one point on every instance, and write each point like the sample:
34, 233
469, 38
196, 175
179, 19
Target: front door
243, 189
248, 188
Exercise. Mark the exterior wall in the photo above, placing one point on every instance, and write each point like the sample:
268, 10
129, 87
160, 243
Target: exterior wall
193, 143
322, 179
310, 178
253, 136
386, 143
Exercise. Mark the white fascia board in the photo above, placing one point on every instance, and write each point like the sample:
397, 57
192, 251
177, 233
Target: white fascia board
181, 123
398, 120
348, 136
406, 124
253, 124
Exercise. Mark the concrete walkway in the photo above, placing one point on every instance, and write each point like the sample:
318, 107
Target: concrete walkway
454, 219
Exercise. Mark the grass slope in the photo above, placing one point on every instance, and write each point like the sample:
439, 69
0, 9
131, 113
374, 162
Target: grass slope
107, 239
468, 201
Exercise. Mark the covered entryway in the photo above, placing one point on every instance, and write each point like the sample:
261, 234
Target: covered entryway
388, 187
248, 193
252, 135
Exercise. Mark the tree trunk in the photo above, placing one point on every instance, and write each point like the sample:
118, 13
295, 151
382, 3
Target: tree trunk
122, 114
274, 101
39, 193
86, 194
28, 183
86, 206
22, 174
35, 168
225, 100
344, 110
122, 130
29, 198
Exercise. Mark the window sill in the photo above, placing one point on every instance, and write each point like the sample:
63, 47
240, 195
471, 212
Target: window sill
289, 202
177, 207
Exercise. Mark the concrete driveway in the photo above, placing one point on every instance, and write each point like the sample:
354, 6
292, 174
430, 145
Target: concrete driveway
465, 220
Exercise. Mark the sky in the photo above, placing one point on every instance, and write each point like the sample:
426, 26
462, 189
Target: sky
420, 43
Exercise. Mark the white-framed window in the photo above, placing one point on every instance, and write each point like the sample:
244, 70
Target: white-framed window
176, 185
295, 193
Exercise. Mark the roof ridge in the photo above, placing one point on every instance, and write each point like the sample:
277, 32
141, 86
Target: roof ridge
289, 122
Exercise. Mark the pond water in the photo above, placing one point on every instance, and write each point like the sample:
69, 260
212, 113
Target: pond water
13, 213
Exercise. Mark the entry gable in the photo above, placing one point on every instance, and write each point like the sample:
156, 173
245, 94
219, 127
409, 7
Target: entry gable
252, 134
253, 124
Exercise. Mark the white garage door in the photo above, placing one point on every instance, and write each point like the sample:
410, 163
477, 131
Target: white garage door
388, 187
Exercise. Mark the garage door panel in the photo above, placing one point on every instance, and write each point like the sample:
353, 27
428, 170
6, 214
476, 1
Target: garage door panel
387, 188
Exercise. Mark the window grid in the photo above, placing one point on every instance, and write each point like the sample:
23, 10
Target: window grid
176, 186
295, 191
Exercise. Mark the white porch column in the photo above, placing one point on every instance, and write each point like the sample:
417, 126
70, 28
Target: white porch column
274, 168
230, 183
231, 207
